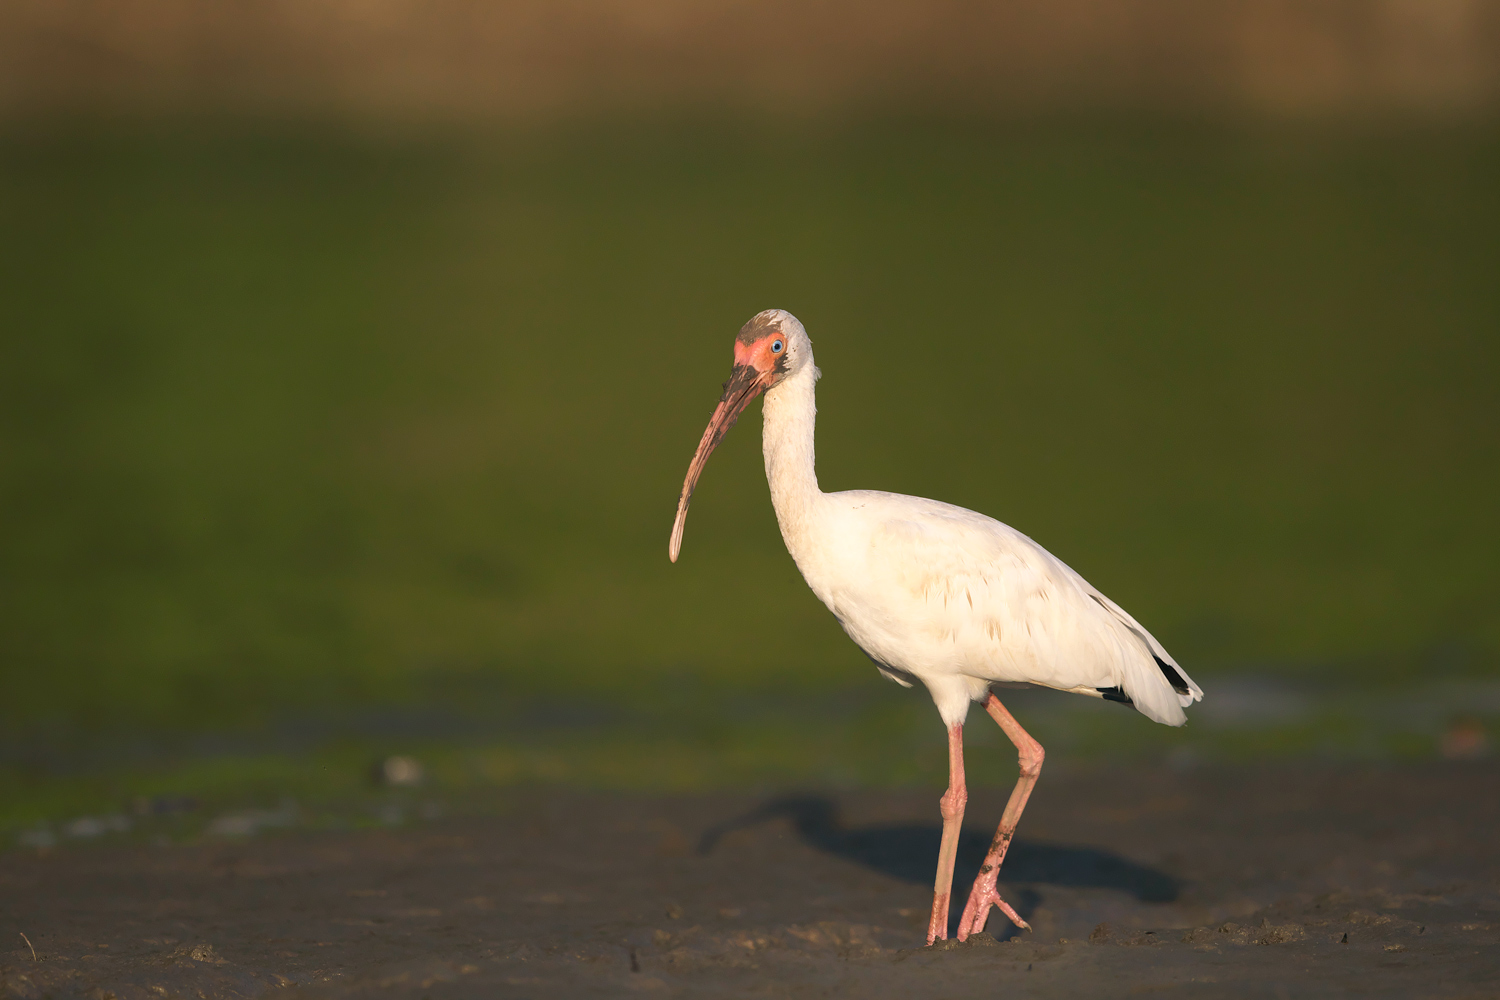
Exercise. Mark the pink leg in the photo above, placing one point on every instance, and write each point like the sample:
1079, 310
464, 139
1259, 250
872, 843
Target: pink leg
984, 894
952, 807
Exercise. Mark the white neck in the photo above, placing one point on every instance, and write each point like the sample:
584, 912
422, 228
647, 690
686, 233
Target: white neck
787, 438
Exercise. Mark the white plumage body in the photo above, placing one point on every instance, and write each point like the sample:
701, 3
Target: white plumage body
958, 600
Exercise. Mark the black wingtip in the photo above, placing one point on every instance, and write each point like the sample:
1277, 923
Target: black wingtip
1115, 694
1173, 675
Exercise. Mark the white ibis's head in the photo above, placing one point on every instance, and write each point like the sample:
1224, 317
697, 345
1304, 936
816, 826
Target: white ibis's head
770, 348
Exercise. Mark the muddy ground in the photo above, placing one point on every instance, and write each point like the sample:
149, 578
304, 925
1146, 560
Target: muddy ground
1285, 881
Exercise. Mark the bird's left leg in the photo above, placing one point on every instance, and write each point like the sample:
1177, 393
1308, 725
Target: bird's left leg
952, 807
984, 894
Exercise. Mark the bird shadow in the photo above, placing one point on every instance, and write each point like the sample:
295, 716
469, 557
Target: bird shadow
908, 851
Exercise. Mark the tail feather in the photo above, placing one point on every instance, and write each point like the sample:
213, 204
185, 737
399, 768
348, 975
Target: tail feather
1145, 689
1179, 680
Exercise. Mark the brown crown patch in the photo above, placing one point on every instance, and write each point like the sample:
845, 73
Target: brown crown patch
759, 326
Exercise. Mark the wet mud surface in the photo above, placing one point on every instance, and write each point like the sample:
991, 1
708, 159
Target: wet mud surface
1318, 881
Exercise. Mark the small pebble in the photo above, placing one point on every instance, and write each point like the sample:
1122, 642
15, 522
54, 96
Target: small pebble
401, 772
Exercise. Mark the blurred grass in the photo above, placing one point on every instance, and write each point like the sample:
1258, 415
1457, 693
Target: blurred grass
293, 418
874, 737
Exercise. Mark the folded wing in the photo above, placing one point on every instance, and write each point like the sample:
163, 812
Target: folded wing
988, 602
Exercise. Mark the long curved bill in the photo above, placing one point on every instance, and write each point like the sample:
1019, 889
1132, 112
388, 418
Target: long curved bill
745, 383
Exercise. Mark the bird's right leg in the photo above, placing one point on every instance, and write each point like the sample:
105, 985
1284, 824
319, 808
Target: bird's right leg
984, 894
952, 807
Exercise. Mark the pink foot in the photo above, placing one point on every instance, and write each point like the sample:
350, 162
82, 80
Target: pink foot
977, 911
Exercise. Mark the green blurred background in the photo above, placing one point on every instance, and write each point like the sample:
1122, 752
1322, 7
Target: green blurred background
321, 441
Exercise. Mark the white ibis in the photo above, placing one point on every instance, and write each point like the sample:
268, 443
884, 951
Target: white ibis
937, 594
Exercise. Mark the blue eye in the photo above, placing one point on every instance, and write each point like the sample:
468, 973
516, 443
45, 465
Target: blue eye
776, 346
